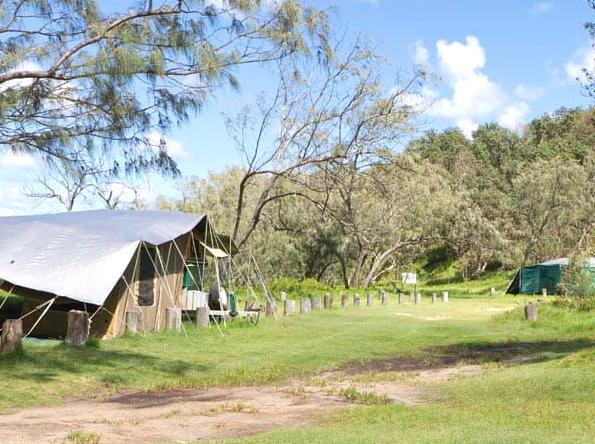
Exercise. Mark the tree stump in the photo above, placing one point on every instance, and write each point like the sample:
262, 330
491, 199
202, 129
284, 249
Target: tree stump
270, 309
78, 328
344, 299
305, 305
132, 321
418, 298
328, 301
316, 303
173, 318
400, 298
202, 317
288, 307
383, 297
434, 295
445, 296
356, 300
531, 312
12, 335
370, 299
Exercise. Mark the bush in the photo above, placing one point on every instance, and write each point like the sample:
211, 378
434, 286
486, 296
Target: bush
577, 279
293, 287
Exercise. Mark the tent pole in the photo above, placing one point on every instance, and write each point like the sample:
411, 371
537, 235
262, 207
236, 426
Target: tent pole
50, 303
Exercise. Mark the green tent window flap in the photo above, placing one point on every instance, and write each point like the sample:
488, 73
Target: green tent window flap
531, 279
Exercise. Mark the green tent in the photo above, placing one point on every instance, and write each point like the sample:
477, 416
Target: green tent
531, 279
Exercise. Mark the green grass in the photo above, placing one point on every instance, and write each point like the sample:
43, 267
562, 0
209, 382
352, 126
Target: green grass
550, 400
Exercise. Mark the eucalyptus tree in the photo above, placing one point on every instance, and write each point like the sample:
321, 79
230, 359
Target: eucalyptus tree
78, 78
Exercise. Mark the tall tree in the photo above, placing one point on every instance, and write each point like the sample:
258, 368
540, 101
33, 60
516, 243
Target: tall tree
74, 75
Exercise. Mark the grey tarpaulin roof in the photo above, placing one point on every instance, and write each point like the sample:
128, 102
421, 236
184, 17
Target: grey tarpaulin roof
81, 255
565, 261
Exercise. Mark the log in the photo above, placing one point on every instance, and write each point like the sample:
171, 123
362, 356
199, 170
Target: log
316, 303
370, 299
445, 296
344, 299
418, 298
400, 298
383, 297
328, 301
202, 317
356, 300
434, 295
289, 307
270, 309
305, 305
173, 318
531, 312
132, 321
12, 336
78, 328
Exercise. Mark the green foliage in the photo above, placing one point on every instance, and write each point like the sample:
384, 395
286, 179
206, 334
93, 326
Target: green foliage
366, 398
578, 278
296, 288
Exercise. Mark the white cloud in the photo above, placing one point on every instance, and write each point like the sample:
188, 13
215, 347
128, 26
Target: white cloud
474, 97
421, 55
174, 147
11, 159
513, 116
528, 92
583, 58
544, 7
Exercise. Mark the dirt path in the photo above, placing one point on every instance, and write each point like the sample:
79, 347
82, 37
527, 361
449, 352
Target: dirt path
215, 413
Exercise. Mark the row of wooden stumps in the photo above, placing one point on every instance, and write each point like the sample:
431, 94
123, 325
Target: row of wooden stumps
315, 303
77, 332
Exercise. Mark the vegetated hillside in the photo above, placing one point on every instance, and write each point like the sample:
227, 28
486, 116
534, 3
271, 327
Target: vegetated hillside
458, 207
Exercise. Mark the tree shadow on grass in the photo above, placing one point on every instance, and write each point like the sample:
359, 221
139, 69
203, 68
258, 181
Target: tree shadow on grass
475, 353
46, 366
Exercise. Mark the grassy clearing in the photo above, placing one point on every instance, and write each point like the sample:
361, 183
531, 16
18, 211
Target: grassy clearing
550, 399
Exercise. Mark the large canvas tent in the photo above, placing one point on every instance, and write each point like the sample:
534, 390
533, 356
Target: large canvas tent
531, 279
103, 262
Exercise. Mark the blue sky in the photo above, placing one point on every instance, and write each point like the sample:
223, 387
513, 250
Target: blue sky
499, 60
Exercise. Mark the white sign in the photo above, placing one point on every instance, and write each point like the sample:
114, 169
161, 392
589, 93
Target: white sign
409, 278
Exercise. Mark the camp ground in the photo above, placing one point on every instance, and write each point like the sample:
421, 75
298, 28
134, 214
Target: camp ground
546, 276
110, 264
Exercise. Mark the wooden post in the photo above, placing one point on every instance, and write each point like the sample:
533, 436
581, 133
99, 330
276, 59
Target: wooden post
304, 305
418, 298
356, 300
434, 295
173, 318
344, 299
411, 297
492, 291
289, 307
383, 297
445, 296
370, 299
12, 335
316, 303
78, 328
328, 301
132, 321
270, 309
283, 296
202, 317
400, 298
531, 312
544, 292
